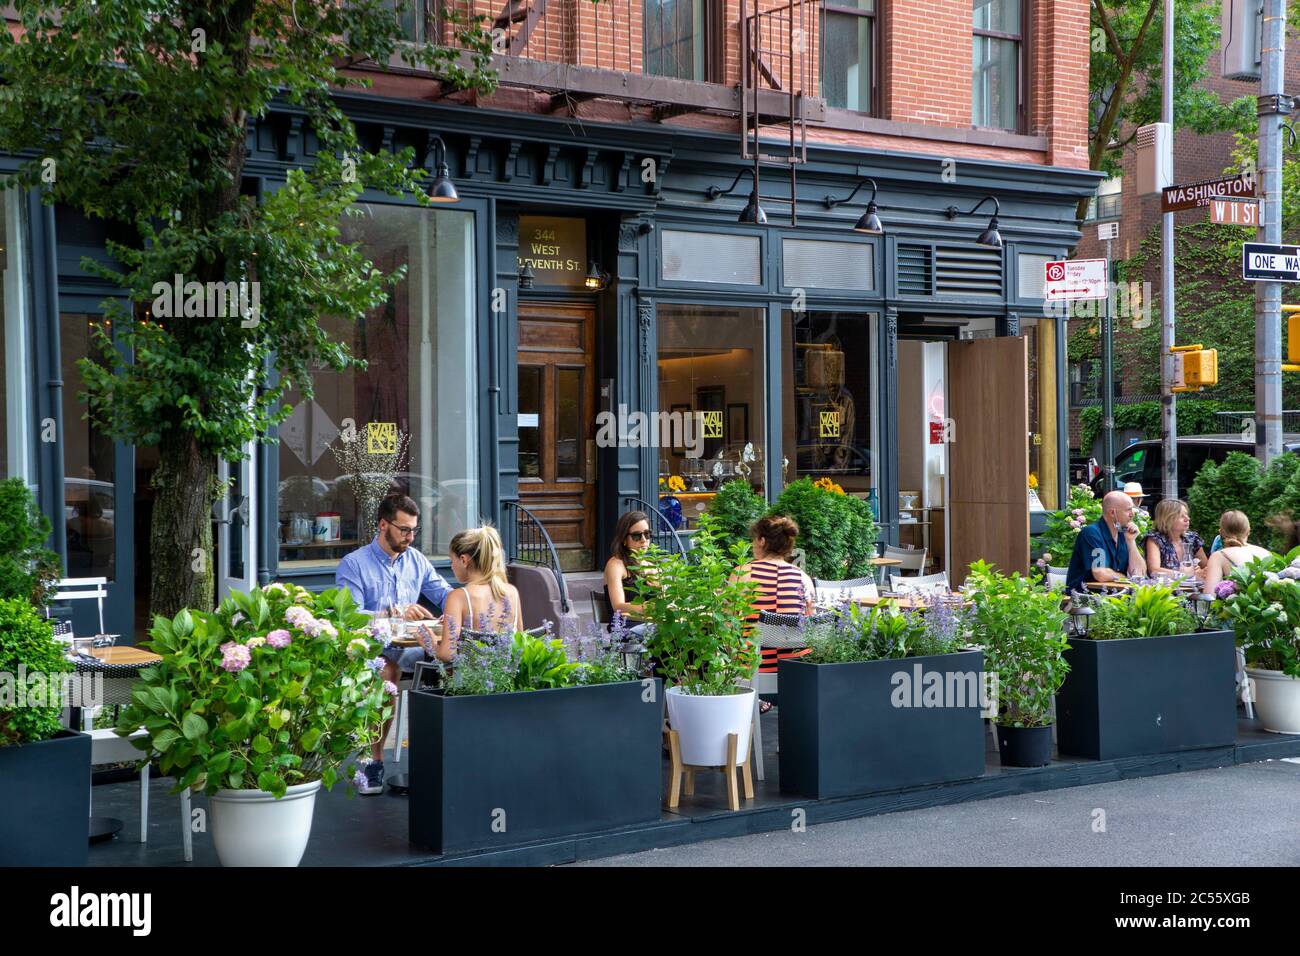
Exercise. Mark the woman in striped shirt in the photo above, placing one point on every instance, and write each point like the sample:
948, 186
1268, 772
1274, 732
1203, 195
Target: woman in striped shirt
782, 587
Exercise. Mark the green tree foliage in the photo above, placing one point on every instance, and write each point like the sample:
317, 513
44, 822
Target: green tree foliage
735, 508
27, 569
1195, 417
1125, 75
1231, 486
137, 111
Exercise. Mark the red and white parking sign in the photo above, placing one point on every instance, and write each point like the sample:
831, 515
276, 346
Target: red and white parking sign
1075, 279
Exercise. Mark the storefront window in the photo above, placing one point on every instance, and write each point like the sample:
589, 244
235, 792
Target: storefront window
15, 412
342, 451
828, 409
89, 458
711, 367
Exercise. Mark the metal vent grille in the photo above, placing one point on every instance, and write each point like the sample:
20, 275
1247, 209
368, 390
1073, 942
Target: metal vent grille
712, 257
1030, 275
968, 270
811, 264
915, 270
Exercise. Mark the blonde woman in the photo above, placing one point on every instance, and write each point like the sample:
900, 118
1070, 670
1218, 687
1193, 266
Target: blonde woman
487, 601
1172, 546
1234, 529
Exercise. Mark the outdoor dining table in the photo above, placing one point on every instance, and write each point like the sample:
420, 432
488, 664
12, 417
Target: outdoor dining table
903, 603
120, 667
879, 564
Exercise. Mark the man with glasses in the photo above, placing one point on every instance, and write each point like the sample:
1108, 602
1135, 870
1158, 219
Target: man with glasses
385, 574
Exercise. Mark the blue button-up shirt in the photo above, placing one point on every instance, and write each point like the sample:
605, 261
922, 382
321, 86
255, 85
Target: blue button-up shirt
1095, 547
378, 581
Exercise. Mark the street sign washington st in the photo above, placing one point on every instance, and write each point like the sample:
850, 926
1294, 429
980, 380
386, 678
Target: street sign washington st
1261, 262
1192, 195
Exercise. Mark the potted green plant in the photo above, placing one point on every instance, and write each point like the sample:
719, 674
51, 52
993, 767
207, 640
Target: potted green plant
258, 705
28, 570
44, 769
1262, 603
533, 737
700, 638
884, 699
1143, 680
1019, 627
837, 532
735, 508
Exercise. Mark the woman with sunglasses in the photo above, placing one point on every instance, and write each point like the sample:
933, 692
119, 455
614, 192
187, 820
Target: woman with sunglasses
631, 536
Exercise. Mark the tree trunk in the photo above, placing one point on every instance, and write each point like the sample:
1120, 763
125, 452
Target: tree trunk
181, 537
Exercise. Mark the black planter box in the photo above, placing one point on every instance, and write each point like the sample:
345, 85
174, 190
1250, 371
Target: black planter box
501, 769
1147, 695
45, 802
841, 733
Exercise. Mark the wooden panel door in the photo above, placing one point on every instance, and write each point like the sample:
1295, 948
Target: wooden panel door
988, 458
557, 425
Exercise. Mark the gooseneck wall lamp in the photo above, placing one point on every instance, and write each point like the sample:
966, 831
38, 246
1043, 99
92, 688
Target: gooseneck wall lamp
442, 189
869, 222
753, 212
990, 236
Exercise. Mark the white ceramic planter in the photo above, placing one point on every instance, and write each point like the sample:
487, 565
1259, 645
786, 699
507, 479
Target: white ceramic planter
252, 828
703, 724
1277, 700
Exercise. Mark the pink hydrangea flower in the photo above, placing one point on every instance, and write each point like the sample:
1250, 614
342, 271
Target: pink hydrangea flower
1225, 589
278, 638
312, 626
298, 616
357, 646
390, 688
328, 629
235, 657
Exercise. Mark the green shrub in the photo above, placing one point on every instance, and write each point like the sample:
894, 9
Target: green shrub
28, 649
735, 508
1231, 486
1151, 611
1279, 494
837, 533
27, 569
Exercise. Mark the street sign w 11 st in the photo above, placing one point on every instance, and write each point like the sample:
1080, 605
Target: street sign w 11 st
1261, 262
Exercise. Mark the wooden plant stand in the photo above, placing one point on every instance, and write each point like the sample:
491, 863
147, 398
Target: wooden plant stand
729, 769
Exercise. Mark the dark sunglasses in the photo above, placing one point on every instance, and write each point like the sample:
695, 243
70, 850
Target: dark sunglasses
639, 535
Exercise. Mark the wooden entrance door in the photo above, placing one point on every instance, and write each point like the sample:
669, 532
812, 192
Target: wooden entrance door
557, 425
988, 458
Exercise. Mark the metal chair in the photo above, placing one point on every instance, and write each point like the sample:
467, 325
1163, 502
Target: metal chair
921, 584
831, 592
602, 611
774, 632
82, 589
1056, 577
909, 559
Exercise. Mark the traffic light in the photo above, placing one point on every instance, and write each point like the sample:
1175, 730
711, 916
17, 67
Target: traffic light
1195, 367
1292, 313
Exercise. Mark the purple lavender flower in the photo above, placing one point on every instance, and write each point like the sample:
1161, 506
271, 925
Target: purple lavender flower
359, 779
1225, 589
390, 688
376, 664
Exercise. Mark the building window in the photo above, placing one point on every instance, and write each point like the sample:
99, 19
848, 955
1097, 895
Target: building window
828, 410
997, 88
675, 39
849, 60
417, 390
711, 367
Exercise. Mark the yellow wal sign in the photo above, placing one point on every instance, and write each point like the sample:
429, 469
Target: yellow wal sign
381, 438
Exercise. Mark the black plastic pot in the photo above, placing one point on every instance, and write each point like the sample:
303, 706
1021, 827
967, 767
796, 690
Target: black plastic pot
498, 770
1148, 695
1025, 746
851, 728
45, 802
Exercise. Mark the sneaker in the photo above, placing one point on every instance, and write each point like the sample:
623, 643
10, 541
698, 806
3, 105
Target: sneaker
374, 783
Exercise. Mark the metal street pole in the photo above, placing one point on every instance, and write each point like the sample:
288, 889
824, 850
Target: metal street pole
1168, 401
1272, 109
1108, 377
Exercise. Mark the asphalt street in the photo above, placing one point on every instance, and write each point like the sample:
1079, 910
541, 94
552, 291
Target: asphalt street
1246, 815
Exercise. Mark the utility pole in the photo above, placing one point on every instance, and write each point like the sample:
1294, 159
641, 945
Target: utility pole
1273, 106
1168, 401
1108, 375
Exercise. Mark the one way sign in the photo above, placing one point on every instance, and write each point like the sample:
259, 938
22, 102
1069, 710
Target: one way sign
1261, 262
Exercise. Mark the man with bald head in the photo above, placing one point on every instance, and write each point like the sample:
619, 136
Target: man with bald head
1107, 549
